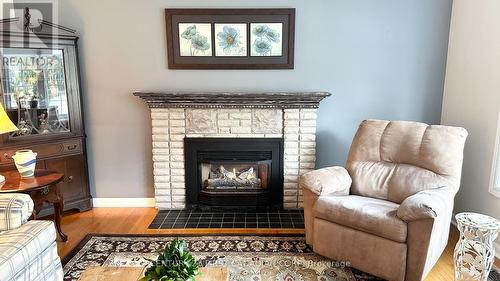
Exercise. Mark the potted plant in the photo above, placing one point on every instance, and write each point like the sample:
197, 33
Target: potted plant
175, 263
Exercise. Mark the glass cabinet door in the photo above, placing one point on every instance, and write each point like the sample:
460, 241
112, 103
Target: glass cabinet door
34, 91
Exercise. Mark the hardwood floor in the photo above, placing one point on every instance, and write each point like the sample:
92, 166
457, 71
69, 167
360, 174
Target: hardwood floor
137, 220
131, 221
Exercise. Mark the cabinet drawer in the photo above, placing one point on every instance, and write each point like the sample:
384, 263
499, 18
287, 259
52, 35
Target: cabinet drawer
70, 147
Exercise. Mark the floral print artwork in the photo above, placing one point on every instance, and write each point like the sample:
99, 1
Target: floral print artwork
195, 39
266, 39
231, 39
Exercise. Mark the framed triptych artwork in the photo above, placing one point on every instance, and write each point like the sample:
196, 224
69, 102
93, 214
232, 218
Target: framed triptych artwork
230, 38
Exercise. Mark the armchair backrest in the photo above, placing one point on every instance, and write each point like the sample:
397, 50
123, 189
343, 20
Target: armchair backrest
392, 160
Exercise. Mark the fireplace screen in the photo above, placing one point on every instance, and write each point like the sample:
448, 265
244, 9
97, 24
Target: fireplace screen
235, 176
234, 172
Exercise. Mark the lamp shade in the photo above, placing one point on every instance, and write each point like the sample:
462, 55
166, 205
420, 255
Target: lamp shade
6, 125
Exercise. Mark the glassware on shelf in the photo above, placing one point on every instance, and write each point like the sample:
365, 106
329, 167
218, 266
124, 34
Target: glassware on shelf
24, 129
34, 90
54, 122
43, 124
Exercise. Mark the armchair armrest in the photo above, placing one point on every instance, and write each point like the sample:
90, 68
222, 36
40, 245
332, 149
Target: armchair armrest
327, 181
427, 204
15, 209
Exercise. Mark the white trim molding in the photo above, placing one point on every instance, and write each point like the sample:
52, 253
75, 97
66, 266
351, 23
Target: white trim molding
494, 187
123, 202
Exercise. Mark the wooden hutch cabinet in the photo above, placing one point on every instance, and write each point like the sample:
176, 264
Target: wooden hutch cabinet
40, 90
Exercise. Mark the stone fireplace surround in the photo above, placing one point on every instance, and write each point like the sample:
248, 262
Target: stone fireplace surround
174, 116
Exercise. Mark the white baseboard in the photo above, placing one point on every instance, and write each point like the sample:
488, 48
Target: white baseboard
123, 202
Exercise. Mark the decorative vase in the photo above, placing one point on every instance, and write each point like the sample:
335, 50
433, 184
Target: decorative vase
25, 162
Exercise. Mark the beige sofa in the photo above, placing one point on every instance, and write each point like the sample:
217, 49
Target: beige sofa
388, 212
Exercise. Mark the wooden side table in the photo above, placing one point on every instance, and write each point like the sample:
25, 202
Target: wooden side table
42, 188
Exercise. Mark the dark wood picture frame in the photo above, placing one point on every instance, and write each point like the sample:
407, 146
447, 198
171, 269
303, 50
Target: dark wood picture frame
215, 16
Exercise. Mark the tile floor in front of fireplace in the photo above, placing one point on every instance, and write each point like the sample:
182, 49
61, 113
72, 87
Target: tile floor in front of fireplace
170, 219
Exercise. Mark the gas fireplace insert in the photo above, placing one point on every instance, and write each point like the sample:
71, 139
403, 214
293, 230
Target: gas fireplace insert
234, 172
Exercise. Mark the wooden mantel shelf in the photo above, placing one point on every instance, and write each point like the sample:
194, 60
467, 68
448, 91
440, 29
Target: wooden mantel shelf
232, 99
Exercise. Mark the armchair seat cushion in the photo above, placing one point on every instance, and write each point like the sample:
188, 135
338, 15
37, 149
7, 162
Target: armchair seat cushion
20, 250
375, 216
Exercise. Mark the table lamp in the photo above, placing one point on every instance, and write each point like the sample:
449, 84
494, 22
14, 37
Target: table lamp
6, 126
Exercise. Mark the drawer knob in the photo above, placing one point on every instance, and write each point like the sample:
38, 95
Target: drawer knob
72, 147
69, 179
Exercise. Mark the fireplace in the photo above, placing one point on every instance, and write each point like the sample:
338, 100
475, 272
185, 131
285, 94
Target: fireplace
257, 176
234, 172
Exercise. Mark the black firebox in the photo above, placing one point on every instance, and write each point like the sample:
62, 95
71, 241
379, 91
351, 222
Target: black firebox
234, 172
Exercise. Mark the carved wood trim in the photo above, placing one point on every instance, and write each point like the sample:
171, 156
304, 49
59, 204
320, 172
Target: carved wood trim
232, 99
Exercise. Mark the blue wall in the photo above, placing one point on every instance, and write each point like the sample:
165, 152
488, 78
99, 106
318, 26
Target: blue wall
386, 59
379, 59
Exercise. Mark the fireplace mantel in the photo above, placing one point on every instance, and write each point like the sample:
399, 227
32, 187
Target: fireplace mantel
232, 99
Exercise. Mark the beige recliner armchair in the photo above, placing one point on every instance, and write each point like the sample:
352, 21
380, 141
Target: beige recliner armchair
389, 212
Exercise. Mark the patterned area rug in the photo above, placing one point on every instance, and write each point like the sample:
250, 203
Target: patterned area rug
248, 258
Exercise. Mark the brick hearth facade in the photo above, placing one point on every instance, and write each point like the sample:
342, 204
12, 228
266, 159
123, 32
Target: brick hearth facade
172, 122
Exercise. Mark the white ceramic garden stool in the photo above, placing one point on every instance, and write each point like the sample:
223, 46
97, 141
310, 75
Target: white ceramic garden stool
474, 252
